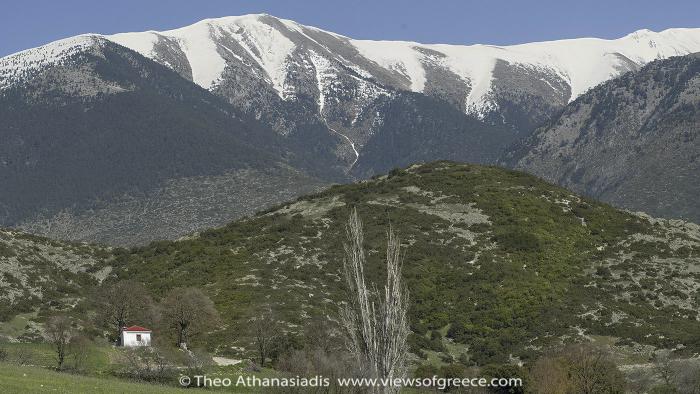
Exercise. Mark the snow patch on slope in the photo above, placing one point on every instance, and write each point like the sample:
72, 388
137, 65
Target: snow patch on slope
396, 56
583, 63
324, 73
196, 41
263, 43
268, 46
142, 43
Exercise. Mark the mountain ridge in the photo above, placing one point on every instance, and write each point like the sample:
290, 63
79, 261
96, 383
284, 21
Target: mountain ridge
569, 67
632, 141
663, 39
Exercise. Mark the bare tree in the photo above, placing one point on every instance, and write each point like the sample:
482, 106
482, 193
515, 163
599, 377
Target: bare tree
196, 361
147, 364
60, 332
189, 312
688, 378
322, 334
376, 326
549, 375
265, 331
123, 303
322, 354
639, 381
22, 356
316, 362
592, 370
663, 366
79, 349
577, 368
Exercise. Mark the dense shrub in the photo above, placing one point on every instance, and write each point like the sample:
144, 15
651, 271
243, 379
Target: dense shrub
518, 240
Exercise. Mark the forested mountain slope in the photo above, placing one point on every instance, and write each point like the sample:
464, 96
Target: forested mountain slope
97, 129
633, 142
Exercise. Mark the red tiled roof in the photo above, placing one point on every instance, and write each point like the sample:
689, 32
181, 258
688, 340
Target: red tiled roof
136, 328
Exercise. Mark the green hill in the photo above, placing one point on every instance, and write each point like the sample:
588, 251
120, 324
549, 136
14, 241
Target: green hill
40, 274
501, 261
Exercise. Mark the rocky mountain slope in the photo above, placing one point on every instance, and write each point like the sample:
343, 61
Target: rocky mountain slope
501, 261
633, 142
296, 77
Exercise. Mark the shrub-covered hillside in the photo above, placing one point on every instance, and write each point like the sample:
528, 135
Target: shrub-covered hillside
499, 260
39, 274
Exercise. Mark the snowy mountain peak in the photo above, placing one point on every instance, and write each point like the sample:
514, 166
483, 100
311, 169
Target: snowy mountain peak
272, 43
642, 32
208, 46
282, 53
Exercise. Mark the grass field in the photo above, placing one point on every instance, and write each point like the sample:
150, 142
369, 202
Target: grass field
15, 379
25, 379
43, 355
32, 379
28, 368
17, 325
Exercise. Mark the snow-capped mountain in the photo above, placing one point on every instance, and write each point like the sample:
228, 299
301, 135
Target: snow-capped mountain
99, 143
258, 61
280, 49
286, 73
294, 77
206, 48
225, 92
